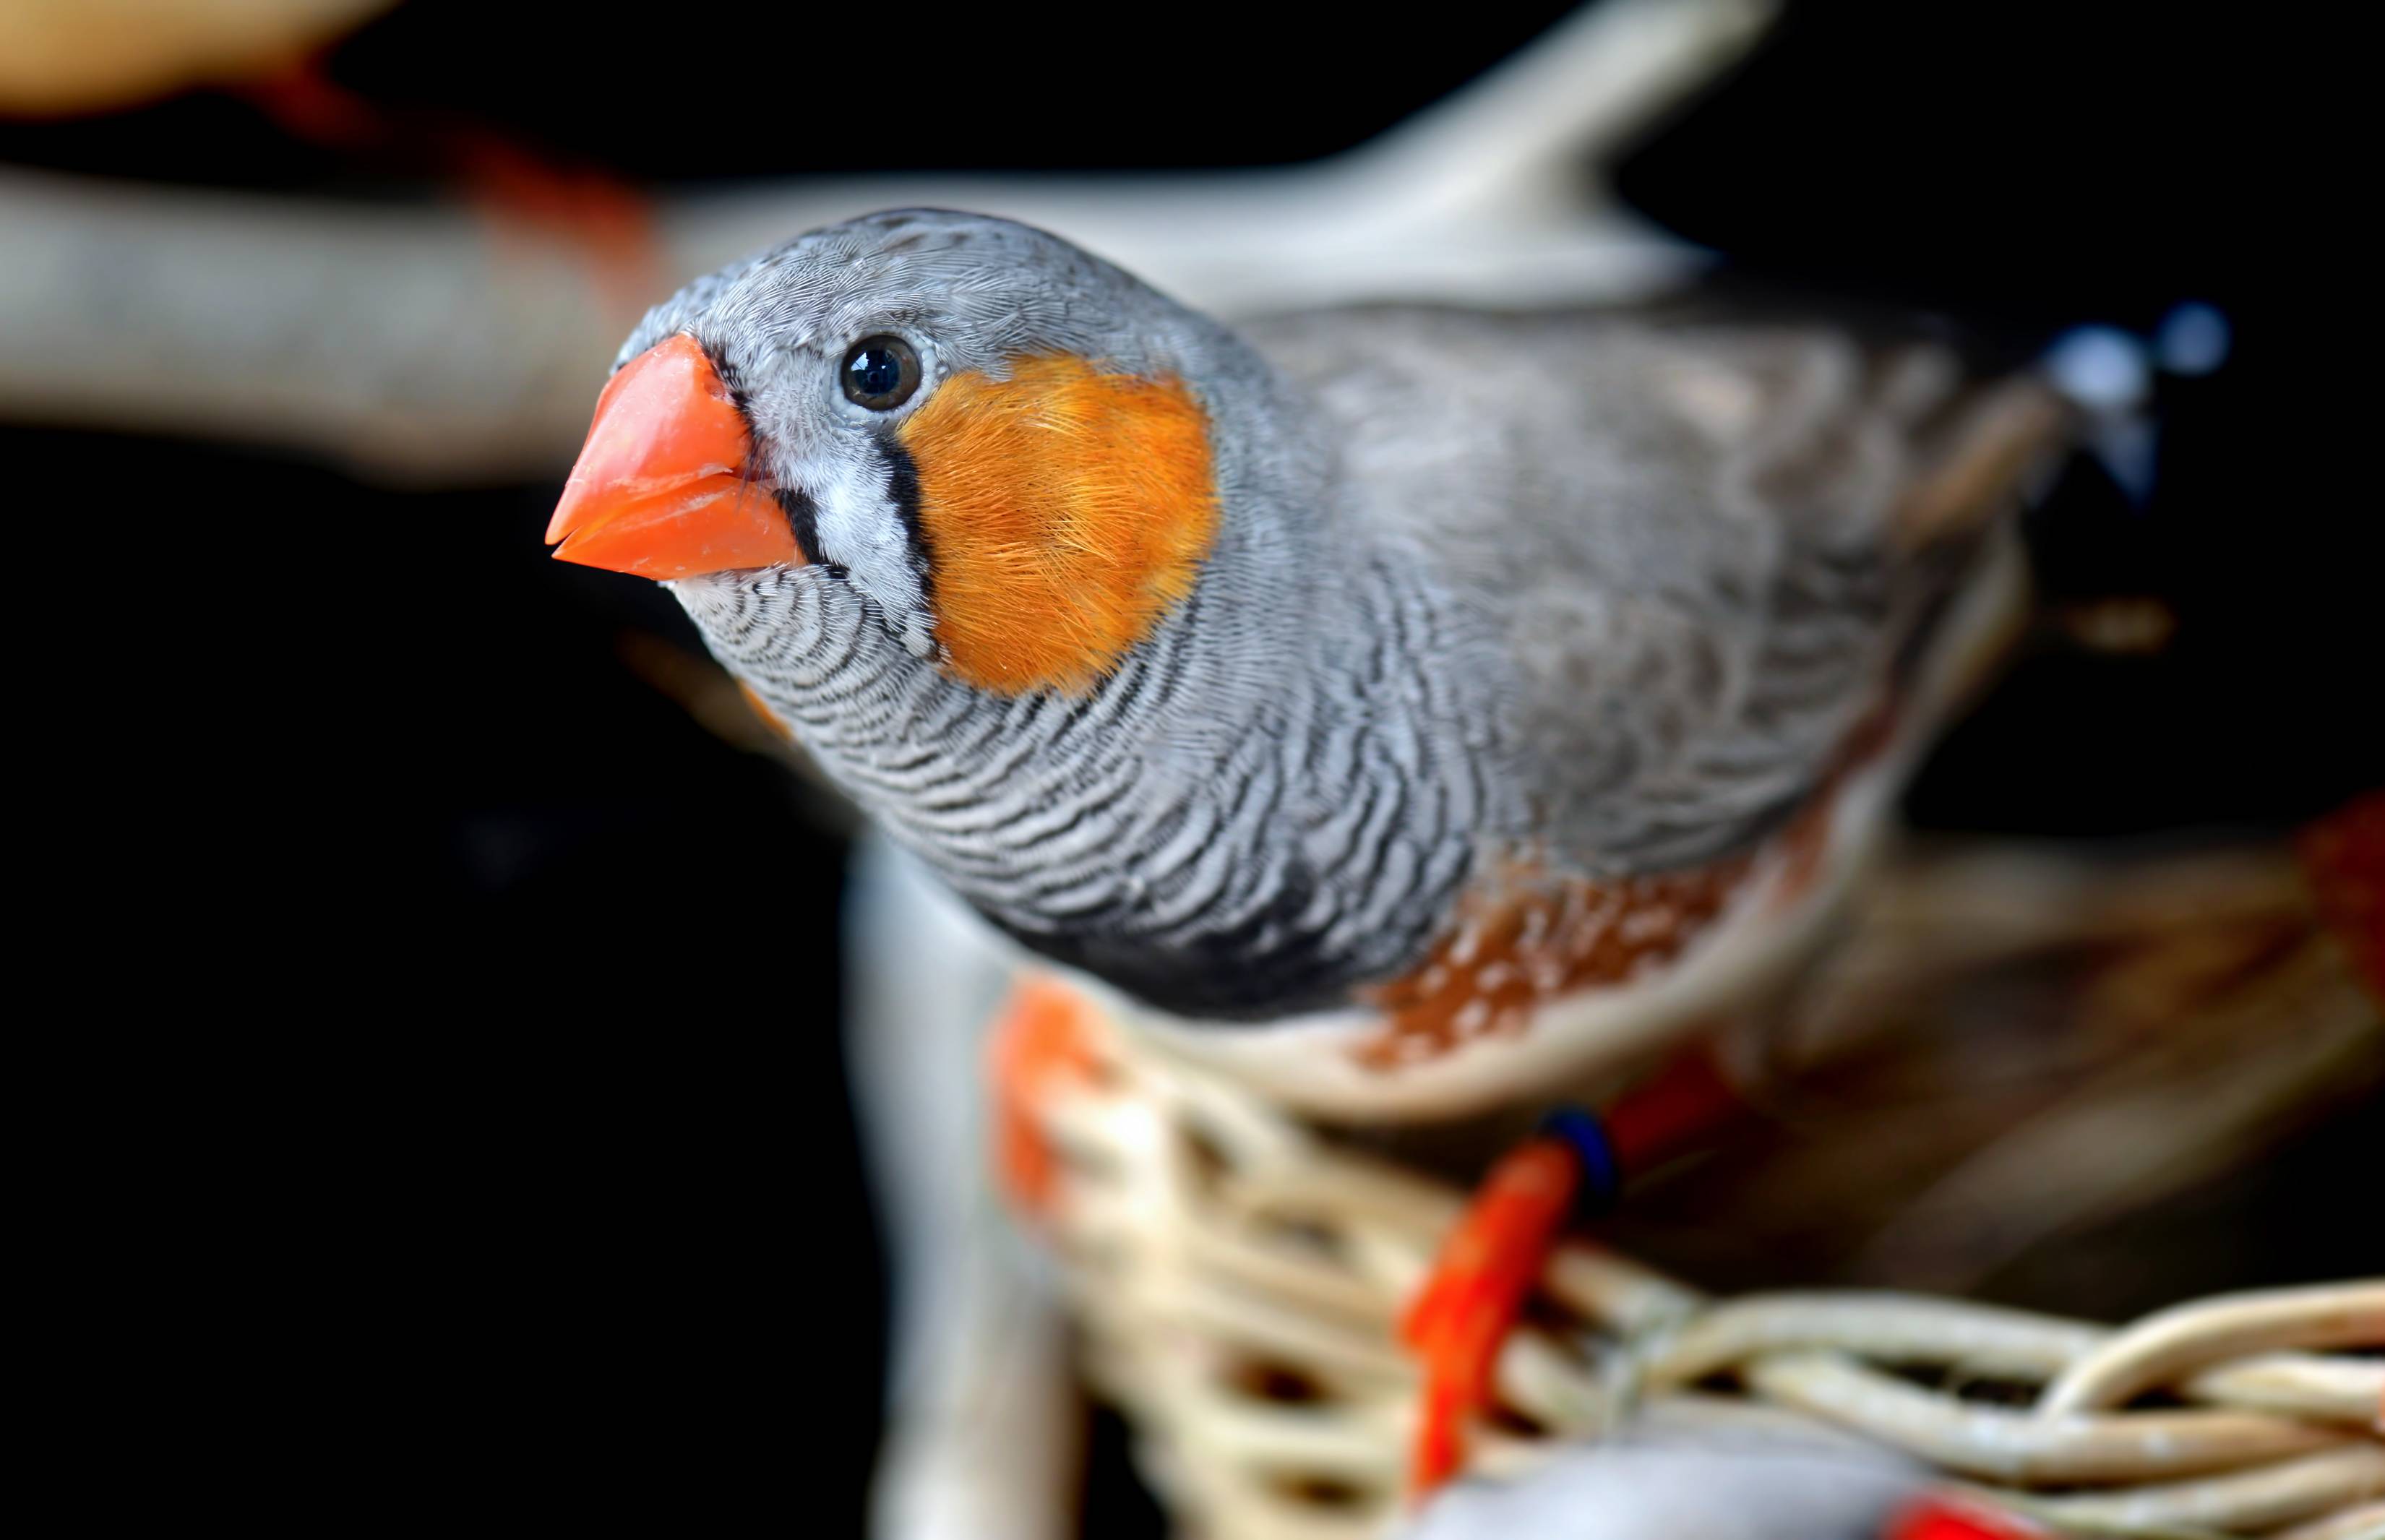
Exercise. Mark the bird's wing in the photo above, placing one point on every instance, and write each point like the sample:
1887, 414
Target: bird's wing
1708, 540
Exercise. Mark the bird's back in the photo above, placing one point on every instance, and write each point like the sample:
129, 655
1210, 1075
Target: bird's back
1706, 540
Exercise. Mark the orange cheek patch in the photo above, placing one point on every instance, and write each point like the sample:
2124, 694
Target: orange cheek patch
1064, 512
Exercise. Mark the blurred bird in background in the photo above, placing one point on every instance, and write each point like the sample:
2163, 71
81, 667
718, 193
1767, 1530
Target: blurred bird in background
59, 57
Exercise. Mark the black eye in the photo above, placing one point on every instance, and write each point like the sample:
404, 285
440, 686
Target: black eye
880, 372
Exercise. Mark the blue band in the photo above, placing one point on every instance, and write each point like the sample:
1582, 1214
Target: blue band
1601, 1173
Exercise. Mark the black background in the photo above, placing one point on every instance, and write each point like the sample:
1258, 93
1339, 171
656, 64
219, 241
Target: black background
557, 1112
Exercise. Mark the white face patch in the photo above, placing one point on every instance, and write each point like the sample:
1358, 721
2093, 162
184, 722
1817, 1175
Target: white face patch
861, 529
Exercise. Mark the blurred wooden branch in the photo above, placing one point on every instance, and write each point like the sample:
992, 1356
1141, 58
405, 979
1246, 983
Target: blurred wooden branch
399, 339
425, 343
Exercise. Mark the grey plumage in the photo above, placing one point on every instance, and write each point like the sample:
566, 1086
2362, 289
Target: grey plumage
1603, 592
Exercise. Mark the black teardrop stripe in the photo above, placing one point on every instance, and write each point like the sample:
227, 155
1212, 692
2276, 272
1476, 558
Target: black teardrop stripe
903, 488
802, 517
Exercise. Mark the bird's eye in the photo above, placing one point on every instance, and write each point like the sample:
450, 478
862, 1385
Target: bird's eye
880, 372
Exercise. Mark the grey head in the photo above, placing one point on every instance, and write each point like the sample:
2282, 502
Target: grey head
968, 294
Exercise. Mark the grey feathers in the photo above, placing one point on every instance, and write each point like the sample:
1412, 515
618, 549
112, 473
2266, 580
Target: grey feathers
1602, 592
1681, 533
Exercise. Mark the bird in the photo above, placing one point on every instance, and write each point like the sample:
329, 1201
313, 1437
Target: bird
1395, 705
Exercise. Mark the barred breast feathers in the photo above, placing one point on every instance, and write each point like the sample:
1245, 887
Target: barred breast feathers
1264, 806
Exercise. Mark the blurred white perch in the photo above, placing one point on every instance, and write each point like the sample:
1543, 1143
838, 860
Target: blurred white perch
426, 343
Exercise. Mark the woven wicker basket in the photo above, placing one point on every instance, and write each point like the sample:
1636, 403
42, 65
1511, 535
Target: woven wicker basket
1239, 1274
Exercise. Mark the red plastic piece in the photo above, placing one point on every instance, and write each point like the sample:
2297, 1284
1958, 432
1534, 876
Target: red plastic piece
1940, 1519
1040, 1039
1469, 1303
1461, 1318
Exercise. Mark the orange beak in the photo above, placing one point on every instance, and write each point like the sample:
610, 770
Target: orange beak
661, 488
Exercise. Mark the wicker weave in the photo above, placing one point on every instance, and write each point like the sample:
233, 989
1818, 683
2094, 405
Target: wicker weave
1239, 1274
